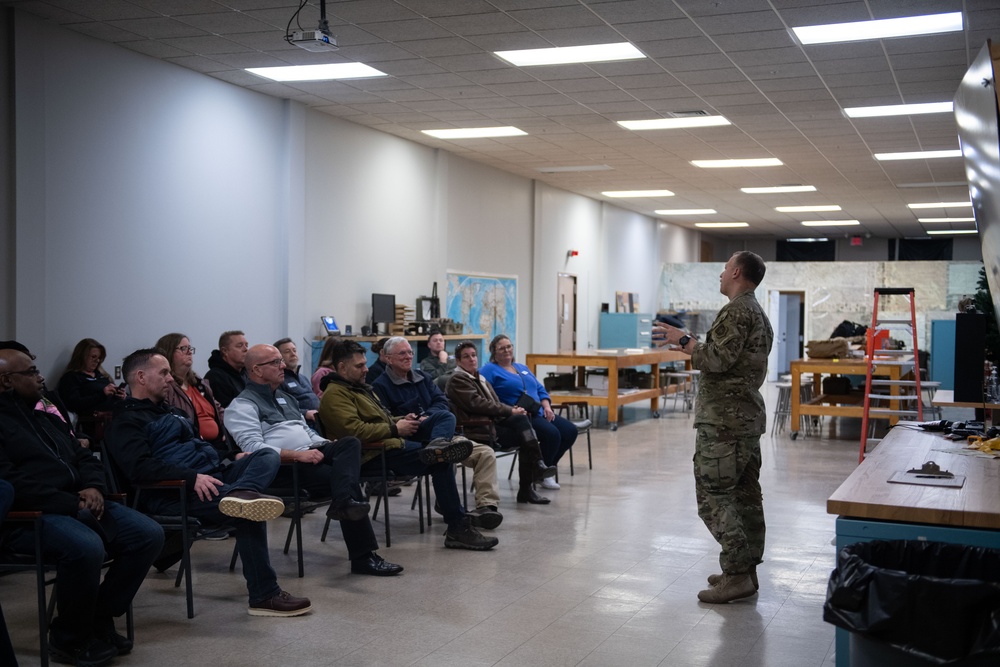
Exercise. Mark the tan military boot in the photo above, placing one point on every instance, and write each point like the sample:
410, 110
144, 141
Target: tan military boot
730, 587
713, 579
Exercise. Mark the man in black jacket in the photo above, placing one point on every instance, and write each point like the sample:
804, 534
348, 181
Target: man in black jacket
225, 367
51, 473
152, 443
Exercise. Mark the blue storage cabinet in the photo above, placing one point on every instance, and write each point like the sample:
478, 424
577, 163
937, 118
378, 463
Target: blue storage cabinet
943, 353
625, 330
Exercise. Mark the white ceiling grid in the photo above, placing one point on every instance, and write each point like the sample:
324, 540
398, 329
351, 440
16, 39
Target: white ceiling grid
736, 58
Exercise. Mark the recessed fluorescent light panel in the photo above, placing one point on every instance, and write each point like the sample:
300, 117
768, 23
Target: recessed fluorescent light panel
685, 211
317, 72
674, 123
806, 209
917, 155
778, 189
941, 204
830, 223
581, 167
953, 231
564, 55
476, 132
747, 162
638, 193
879, 29
946, 219
808, 240
720, 225
899, 110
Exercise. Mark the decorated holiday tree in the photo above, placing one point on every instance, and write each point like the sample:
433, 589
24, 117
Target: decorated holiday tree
984, 304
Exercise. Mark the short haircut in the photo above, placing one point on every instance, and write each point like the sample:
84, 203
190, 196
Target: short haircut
379, 344
465, 345
493, 345
751, 265
434, 332
14, 345
283, 341
137, 361
343, 350
227, 336
393, 343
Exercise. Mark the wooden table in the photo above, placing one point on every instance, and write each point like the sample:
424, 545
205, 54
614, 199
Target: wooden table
945, 398
870, 508
612, 360
839, 406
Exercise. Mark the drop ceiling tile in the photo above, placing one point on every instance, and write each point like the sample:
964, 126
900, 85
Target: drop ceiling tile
797, 14
695, 78
155, 49
550, 18
727, 24
370, 11
206, 45
446, 8
681, 47
370, 53
782, 56
200, 64
181, 7
157, 28
632, 11
459, 93
654, 31
237, 77
268, 40
103, 10
509, 41
600, 34
757, 41
105, 32
479, 24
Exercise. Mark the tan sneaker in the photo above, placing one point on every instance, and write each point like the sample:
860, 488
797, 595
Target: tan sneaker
251, 505
714, 579
730, 587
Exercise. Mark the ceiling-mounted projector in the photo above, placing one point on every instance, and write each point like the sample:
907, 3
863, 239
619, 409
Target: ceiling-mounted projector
316, 41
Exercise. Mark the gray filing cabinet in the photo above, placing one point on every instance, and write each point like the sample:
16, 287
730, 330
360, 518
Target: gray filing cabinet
626, 330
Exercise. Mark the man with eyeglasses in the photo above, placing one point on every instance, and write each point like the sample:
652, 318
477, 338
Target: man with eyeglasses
296, 384
263, 417
51, 473
150, 442
411, 393
225, 367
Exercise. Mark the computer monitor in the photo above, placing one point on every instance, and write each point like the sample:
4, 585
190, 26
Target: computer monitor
383, 309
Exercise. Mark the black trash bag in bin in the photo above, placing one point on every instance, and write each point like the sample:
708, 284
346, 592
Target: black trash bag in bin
935, 601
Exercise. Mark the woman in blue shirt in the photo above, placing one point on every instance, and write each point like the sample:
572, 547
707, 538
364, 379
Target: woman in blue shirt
511, 381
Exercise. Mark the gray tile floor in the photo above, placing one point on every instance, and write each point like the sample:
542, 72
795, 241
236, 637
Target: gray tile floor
605, 575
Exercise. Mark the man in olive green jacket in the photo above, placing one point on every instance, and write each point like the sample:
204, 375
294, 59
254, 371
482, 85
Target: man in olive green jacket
349, 407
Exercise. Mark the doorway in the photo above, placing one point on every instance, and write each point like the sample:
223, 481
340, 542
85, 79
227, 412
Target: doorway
566, 315
789, 327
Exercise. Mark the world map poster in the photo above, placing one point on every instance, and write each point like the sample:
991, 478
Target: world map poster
485, 304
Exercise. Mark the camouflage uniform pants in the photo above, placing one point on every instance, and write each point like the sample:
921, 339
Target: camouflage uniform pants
727, 487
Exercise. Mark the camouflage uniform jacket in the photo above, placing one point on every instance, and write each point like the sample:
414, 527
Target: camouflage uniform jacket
733, 365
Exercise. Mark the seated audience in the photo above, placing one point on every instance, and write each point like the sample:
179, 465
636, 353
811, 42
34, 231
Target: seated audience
472, 397
85, 386
151, 442
193, 395
408, 392
325, 366
51, 473
297, 384
225, 367
264, 416
376, 369
437, 365
350, 408
513, 382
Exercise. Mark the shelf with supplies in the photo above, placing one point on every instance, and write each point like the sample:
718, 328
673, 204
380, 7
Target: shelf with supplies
419, 344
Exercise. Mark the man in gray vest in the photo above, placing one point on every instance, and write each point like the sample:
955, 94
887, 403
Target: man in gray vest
729, 419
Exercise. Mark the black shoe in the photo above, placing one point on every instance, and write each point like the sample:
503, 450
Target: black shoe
526, 494
441, 450
105, 631
350, 510
464, 536
485, 517
93, 653
376, 566
543, 471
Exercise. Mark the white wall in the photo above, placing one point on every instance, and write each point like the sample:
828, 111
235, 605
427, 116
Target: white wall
147, 197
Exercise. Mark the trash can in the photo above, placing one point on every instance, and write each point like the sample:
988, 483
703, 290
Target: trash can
917, 603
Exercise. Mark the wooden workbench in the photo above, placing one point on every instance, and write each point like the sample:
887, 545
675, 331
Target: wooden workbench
870, 508
612, 361
839, 406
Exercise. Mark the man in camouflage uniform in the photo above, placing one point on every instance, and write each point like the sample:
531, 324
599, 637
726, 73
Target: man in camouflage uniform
730, 418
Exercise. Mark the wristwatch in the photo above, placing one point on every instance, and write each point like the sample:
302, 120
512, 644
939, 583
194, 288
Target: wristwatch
683, 340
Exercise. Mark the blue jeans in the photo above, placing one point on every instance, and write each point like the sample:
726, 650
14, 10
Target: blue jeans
253, 472
77, 545
439, 424
554, 438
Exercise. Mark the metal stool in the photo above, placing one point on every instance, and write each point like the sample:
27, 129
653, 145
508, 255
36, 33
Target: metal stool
694, 375
679, 381
783, 408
